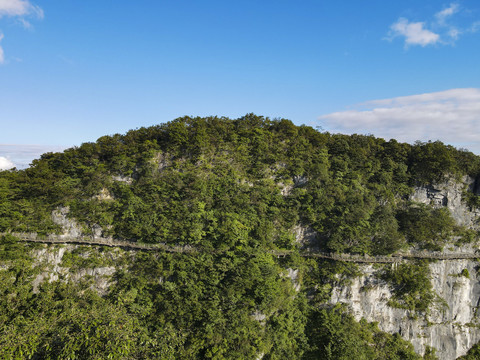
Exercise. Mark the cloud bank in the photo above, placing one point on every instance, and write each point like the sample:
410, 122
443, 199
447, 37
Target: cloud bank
19, 9
451, 116
441, 29
5, 164
20, 156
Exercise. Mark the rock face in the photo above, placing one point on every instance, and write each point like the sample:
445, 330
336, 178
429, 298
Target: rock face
452, 328
122, 178
305, 237
71, 229
69, 226
52, 257
293, 275
449, 194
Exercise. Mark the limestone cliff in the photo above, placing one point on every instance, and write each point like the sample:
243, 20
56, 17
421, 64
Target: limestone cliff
449, 194
451, 327
99, 271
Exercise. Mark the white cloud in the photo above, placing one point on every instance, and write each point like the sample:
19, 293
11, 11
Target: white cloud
441, 16
19, 8
414, 32
23, 155
26, 24
451, 116
5, 164
454, 33
441, 21
475, 27
441, 29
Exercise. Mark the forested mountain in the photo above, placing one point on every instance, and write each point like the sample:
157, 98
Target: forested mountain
234, 190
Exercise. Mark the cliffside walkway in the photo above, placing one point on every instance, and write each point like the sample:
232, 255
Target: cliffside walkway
394, 258
98, 241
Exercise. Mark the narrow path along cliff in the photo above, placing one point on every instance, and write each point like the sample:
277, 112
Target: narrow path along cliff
99, 241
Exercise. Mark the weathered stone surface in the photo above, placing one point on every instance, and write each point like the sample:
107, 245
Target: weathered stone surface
452, 330
449, 194
104, 195
121, 178
300, 180
285, 189
101, 277
71, 229
306, 237
259, 316
52, 257
293, 274
69, 226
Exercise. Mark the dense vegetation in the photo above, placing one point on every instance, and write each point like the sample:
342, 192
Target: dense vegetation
473, 353
163, 306
218, 183
411, 284
233, 188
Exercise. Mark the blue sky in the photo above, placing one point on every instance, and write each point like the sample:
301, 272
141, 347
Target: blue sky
72, 71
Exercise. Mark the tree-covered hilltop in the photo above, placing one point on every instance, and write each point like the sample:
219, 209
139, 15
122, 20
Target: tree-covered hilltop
233, 189
220, 183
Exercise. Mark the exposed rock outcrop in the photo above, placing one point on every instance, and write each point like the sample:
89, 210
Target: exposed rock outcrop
293, 275
104, 195
70, 227
51, 258
452, 329
305, 237
449, 194
121, 178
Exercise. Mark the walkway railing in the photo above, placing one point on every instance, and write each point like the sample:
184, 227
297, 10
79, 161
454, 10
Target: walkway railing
394, 258
99, 241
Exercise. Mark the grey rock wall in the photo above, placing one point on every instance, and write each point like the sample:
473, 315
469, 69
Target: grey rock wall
70, 227
52, 257
449, 194
452, 330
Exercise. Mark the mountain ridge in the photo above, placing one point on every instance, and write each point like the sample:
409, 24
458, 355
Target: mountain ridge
242, 192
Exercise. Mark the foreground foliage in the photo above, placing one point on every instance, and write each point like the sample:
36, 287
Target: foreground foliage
232, 306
